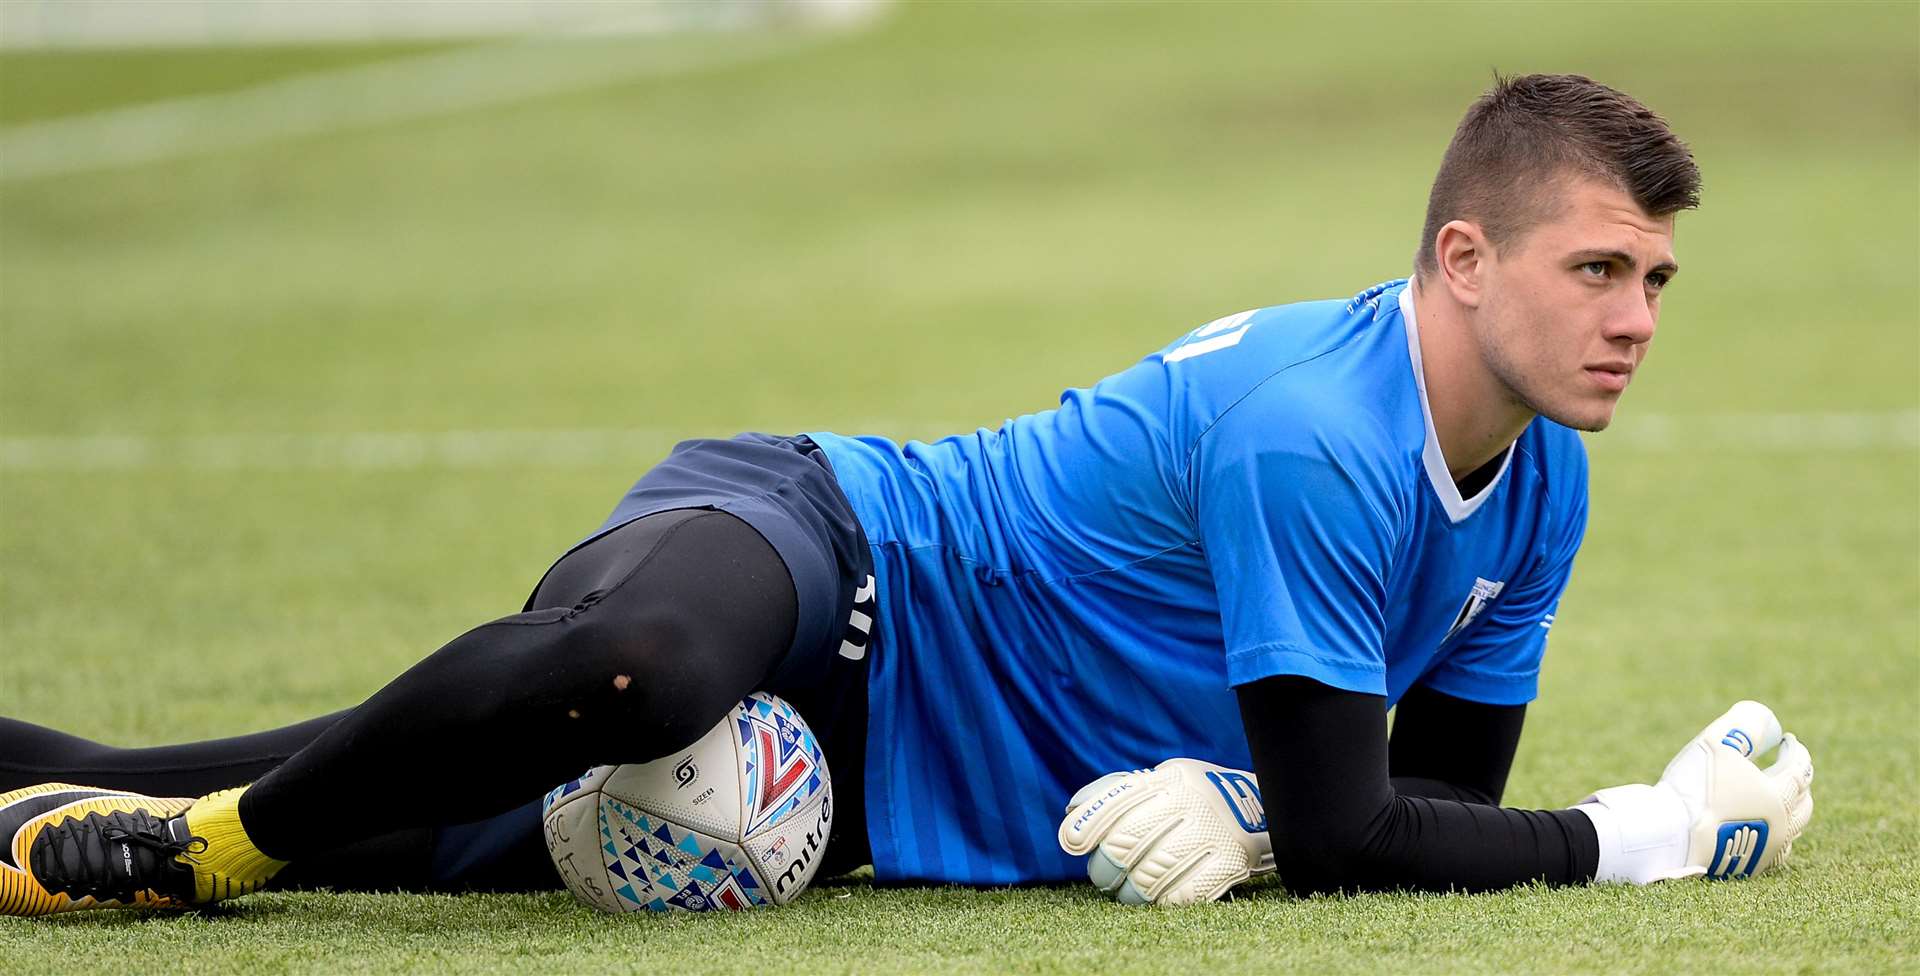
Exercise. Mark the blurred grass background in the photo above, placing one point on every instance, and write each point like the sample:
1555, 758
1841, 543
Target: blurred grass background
939, 222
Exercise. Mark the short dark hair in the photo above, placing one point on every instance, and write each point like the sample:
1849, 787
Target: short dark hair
1521, 141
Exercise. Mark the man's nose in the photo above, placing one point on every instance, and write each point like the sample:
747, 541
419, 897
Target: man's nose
1634, 319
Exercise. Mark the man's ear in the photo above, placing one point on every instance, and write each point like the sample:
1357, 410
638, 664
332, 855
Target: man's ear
1461, 252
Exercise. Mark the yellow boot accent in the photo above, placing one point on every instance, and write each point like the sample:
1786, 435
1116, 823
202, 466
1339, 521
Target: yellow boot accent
229, 865
24, 813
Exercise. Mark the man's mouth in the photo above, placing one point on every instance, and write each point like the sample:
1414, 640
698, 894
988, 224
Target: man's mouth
1612, 377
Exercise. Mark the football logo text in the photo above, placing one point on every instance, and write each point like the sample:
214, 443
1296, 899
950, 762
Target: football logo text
815, 839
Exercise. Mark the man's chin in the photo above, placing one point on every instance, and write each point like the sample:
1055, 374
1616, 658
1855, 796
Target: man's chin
1591, 418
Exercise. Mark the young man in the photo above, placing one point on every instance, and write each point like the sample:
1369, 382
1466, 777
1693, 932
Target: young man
1246, 548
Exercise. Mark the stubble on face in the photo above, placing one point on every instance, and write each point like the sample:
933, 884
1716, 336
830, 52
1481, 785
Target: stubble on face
1558, 334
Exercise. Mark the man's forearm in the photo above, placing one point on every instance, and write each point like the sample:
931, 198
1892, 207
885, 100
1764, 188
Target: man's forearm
1452, 749
1338, 821
1436, 789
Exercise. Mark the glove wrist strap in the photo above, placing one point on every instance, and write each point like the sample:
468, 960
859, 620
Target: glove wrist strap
1643, 833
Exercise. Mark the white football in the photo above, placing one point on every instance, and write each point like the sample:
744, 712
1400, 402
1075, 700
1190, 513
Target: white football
735, 821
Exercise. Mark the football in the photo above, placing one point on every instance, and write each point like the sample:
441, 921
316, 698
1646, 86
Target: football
738, 820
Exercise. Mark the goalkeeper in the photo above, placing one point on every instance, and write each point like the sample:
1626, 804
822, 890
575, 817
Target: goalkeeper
1241, 551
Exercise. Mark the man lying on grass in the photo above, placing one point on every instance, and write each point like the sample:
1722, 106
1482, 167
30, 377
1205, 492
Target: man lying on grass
1244, 549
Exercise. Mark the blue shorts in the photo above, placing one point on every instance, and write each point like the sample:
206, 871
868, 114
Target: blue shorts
784, 488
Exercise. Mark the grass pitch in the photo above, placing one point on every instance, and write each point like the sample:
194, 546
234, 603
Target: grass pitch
230, 498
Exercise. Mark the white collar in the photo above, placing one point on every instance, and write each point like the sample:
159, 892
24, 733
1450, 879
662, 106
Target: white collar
1457, 508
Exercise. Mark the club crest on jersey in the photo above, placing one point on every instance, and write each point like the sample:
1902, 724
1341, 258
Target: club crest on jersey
1484, 590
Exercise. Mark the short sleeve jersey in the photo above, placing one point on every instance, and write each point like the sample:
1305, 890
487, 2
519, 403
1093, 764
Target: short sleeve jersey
1079, 590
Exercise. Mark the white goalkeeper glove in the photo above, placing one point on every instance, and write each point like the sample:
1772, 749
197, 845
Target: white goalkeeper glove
1714, 812
1182, 832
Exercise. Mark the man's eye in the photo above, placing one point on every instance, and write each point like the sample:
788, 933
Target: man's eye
1598, 269
1657, 280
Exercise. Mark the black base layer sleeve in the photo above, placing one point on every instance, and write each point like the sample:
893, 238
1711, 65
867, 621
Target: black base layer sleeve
675, 618
1339, 824
1449, 748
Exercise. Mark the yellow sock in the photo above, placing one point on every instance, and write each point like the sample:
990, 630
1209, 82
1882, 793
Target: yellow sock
230, 865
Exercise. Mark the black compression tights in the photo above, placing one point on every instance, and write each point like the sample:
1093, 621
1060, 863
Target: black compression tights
635, 645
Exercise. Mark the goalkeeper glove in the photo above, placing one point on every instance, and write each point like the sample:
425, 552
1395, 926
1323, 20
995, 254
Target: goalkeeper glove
1714, 812
1182, 832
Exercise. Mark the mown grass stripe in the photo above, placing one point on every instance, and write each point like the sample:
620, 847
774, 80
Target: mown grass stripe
399, 90
1885, 431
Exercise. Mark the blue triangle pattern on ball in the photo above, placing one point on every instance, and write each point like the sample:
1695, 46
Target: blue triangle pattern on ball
659, 865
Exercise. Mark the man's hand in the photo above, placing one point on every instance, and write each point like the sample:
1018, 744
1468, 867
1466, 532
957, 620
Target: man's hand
1182, 832
1713, 812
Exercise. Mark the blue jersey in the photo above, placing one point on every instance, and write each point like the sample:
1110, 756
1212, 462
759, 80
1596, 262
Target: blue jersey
1079, 591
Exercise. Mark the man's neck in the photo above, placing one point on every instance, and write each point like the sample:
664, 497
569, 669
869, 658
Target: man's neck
1474, 415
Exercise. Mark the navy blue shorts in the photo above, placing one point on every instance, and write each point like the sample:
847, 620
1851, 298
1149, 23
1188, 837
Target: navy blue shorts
784, 488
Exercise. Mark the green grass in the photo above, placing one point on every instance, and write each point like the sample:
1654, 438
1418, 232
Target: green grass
36, 85
935, 224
